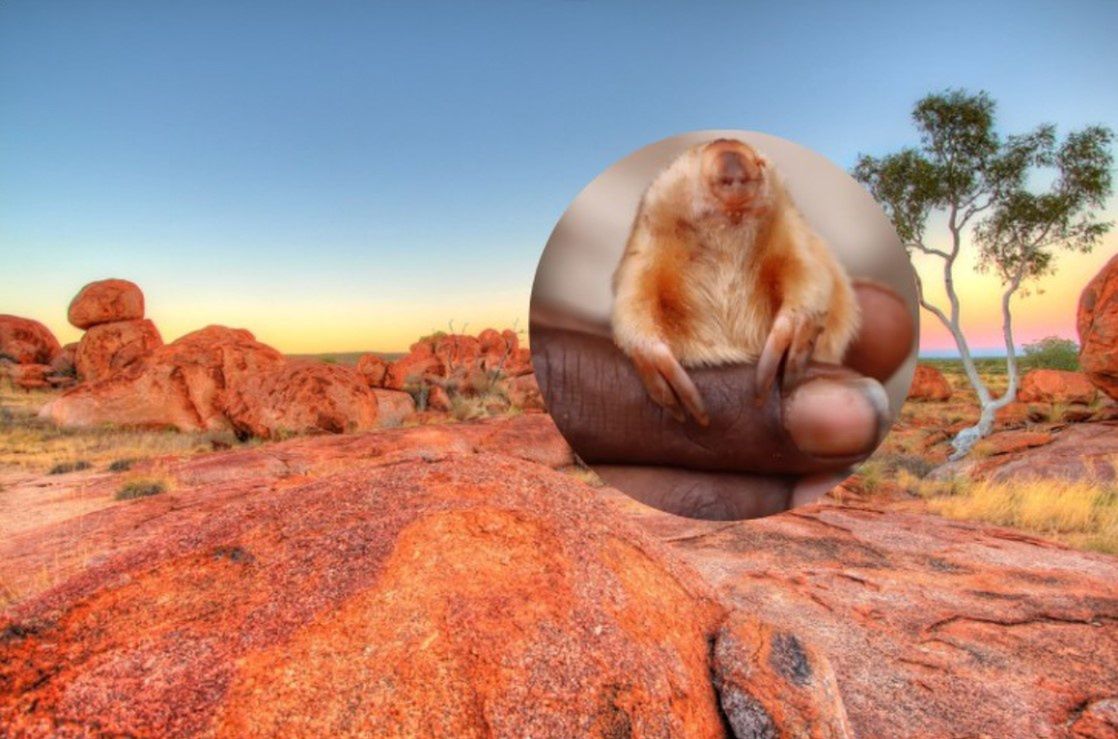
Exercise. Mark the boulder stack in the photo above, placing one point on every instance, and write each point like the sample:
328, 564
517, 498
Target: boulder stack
117, 334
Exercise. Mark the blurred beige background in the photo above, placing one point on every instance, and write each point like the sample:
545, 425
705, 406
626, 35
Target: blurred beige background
572, 286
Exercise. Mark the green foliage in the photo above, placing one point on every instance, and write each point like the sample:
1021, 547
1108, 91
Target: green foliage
1051, 352
140, 489
966, 169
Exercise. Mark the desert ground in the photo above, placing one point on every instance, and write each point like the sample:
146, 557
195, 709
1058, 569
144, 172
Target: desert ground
406, 545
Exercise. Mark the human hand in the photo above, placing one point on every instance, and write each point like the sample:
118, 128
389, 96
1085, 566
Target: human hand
753, 458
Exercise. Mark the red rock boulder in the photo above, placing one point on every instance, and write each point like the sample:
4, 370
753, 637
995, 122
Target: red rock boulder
300, 397
106, 301
108, 348
1055, 386
1097, 321
928, 383
25, 341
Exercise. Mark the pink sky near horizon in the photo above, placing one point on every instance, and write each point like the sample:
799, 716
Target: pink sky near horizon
1051, 311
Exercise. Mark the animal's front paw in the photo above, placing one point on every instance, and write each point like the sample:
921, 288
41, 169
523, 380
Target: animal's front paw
793, 335
668, 384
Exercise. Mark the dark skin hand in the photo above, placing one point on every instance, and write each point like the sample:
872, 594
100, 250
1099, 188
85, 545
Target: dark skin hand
756, 457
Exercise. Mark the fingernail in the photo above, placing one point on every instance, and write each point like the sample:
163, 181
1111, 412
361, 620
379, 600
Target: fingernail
837, 418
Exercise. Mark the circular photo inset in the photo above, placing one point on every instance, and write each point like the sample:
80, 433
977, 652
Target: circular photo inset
723, 323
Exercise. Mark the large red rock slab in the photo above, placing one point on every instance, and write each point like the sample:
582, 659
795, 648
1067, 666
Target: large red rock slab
25, 341
928, 383
181, 385
299, 397
108, 348
106, 301
934, 628
1097, 321
1055, 386
1087, 451
472, 596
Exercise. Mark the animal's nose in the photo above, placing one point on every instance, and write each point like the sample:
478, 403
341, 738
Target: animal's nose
734, 168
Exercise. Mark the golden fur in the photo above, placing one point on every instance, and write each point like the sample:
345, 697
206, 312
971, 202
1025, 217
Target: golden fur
717, 251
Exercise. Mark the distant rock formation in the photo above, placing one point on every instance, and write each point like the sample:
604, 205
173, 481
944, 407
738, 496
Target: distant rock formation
928, 383
440, 367
222, 378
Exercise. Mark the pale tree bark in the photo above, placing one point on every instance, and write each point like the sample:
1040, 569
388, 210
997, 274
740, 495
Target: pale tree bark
965, 440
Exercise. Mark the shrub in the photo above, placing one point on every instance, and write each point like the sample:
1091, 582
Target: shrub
1051, 352
121, 465
63, 468
140, 489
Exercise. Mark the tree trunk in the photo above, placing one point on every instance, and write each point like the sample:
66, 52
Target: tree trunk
965, 440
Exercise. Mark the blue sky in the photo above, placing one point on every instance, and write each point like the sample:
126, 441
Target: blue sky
346, 175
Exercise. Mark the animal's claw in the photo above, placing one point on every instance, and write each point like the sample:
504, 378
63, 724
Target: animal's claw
792, 339
668, 384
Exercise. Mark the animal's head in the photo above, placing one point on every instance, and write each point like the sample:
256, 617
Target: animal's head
734, 179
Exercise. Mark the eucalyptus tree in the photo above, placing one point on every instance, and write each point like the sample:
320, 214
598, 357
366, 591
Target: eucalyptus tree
1016, 200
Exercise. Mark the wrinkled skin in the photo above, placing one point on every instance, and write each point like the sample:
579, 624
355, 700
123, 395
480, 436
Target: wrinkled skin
757, 456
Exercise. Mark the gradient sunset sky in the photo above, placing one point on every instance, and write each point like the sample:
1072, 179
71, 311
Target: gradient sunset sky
341, 176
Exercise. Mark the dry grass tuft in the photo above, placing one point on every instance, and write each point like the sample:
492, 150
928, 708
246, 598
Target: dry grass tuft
1082, 514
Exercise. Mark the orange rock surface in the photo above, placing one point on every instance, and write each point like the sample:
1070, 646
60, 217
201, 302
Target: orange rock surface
469, 596
1097, 321
108, 348
25, 341
106, 301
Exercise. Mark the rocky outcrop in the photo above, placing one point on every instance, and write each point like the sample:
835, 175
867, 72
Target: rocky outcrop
423, 574
300, 397
1097, 321
108, 348
106, 301
222, 378
928, 383
183, 384
24, 341
1055, 386
1087, 452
